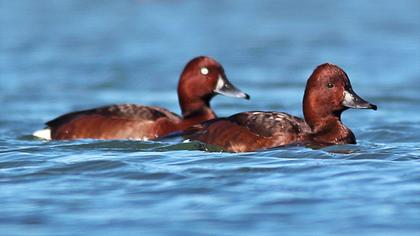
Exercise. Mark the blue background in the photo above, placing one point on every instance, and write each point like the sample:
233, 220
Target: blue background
60, 56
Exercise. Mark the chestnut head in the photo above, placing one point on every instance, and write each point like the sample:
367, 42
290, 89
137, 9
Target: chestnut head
203, 78
329, 92
329, 88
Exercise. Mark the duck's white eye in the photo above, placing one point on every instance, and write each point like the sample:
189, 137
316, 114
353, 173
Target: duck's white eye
204, 71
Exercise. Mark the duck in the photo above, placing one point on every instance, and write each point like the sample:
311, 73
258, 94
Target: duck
327, 95
202, 78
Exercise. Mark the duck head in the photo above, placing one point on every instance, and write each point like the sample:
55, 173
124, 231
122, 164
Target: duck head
202, 79
328, 93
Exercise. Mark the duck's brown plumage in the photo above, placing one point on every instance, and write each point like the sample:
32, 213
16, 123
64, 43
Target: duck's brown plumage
328, 93
201, 79
126, 121
248, 131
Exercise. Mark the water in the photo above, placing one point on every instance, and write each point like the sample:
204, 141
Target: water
59, 56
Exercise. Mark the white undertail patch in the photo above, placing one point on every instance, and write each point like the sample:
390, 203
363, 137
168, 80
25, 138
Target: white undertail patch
43, 134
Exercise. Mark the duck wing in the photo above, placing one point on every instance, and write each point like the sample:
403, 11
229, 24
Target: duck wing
124, 121
250, 131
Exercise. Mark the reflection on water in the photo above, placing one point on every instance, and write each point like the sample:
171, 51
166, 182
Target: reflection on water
58, 56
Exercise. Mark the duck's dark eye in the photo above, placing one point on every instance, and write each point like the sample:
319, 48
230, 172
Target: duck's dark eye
330, 85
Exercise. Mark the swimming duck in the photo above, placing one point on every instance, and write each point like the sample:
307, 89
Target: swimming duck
201, 79
328, 93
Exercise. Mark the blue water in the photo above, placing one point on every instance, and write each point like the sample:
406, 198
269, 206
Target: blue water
60, 56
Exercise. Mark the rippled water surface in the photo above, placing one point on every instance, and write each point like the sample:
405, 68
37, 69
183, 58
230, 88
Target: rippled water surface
59, 56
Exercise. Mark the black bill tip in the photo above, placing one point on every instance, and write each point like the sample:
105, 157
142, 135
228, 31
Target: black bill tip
373, 107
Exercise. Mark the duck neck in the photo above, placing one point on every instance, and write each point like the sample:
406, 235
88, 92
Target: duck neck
195, 111
326, 126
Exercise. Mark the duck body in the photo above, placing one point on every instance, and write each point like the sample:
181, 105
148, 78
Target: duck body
328, 93
250, 131
201, 79
125, 121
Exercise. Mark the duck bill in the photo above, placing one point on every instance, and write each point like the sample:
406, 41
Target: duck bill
224, 87
352, 100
